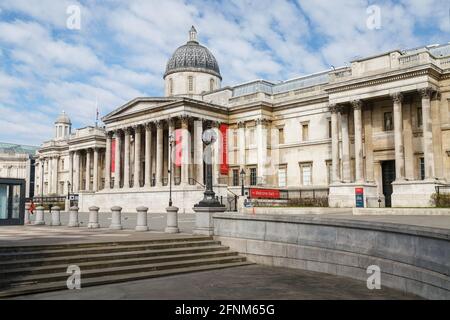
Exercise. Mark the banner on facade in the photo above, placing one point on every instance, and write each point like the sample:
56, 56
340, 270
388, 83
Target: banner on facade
178, 147
113, 155
224, 159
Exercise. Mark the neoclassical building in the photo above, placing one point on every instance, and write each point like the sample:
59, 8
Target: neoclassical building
380, 126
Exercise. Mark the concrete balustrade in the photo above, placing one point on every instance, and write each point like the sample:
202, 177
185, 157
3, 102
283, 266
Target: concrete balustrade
116, 218
39, 216
141, 219
172, 220
93, 218
26, 217
73, 217
56, 216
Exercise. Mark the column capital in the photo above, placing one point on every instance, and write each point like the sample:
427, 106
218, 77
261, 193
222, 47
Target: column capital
118, 132
215, 123
356, 104
436, 95
425, 93
241, 124
127, 131
137, 128
159, 124
262, 121
109, 133
397, 97
334, 107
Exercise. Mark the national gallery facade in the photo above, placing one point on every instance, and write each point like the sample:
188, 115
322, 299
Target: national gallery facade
380, 125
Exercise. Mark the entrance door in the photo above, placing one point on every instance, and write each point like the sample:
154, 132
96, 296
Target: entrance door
388, 176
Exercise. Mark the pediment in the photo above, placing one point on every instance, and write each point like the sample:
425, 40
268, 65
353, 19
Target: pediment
138, 105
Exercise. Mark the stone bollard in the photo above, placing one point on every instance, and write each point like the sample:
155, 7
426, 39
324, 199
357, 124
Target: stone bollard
73, 217
172, 220
39, 216
26, 216
116, 219
141, 219
56, 216
93, 218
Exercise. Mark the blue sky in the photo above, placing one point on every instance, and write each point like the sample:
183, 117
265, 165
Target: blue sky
122, 47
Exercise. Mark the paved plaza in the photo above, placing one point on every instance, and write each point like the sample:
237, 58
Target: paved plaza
240, 283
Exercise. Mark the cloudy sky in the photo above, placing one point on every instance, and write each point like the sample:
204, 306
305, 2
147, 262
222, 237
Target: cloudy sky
121, 48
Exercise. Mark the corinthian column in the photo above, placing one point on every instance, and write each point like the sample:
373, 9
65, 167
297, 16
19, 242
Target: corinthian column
398, 137
346, 171
159, 153
148, 146
427, 133
198, 150
261, 136
126, 162
95, 173
185, 150
108, 161
117, 165
76, 171
241, 128
70, 169
88, 170
334, 109
171, 123
357, 105
137, 157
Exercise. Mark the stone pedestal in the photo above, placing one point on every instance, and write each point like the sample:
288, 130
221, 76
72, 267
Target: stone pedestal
141, 224
73, 217
172, 220
56, 216
26, 216
204, 224
93, 218
39, 216
116, 218
342, 195
414, 193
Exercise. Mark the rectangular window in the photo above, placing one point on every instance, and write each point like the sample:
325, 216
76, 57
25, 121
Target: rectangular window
419, 116
253, 179
306, 174
191, 83
388, 124
235, 177
235, 138
328, 164
252, 136
282, 176
422, 168
305, 132
280, 135
329, 129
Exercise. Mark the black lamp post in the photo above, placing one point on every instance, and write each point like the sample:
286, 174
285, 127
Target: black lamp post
209, 199
171, 141
242, 174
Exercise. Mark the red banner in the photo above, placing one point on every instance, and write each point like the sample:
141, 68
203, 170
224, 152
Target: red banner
113, 155
264, 193
224, 163
178, 147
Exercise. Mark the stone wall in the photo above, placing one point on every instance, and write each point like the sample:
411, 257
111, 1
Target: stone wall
411, 258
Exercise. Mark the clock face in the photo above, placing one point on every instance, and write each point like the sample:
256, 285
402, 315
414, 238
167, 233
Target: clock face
209, 136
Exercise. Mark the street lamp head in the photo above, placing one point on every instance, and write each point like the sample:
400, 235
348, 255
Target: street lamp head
242, 173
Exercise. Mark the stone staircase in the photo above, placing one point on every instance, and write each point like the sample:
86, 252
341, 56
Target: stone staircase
34, 269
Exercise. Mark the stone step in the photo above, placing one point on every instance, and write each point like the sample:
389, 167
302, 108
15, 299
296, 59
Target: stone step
10, 274
26, 263
111, 271
31, 248
97, 250
108, 279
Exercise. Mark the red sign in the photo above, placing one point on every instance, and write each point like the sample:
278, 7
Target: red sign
264, 193
359, 190
113, 155
224, 160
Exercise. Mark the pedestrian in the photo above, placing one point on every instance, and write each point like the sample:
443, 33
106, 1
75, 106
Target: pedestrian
32, 207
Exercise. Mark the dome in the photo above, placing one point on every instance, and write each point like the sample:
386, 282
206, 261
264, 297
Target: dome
63, 118
193, 57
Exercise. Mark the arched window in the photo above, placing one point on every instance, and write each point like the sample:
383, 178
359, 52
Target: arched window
170, 86
190, 83
211, 84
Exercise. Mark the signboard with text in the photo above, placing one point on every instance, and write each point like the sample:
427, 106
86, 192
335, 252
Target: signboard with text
264, 193
359, 197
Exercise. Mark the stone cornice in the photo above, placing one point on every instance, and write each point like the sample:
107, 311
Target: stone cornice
355, 83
